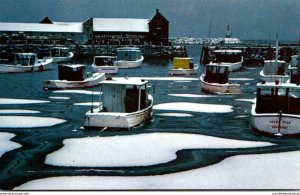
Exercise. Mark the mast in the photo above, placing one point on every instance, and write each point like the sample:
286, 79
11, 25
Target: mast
277, 48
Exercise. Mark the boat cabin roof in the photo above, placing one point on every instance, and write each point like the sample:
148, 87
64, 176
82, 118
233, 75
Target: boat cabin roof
228, 51
187, 58
280, 85
25, 54
112, 57
124, 81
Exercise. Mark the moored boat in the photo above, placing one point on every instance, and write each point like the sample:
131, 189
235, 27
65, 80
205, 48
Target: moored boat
73, 76
183, 66
228, 57
25, 62
276, 110
61, 54
215, 80
124, 103
129, 57
105, 64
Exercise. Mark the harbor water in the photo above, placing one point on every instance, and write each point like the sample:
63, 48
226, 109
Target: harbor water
41, 128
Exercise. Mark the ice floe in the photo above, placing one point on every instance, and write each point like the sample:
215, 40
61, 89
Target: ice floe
28, 121
136, 150
5, 144
192, 95
256, 171
246, 100
175, 114
21, 101
87, 104
194, 107
59, 98
15, 111
78, 92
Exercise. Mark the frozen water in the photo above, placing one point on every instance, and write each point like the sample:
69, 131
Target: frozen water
191, 95
255, 171
194, 107
78, 91
136, 150
87, 104
20, 101
15, 111
28, 121
175, 114
59, 98
5, 143
241, 79
246, 100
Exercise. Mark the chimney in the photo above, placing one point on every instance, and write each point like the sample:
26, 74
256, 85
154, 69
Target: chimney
157, 11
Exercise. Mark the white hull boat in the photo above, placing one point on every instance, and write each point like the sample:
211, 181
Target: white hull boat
65, 84
273, 78
229, 57
276, 110
64, 58
217, 88
183, 66
124, 103
129, 64
94, 120
38, 65
105, 64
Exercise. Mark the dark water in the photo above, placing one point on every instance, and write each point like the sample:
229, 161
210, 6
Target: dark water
27, 163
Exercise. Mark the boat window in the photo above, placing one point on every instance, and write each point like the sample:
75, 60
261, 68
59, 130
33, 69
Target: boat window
25, 59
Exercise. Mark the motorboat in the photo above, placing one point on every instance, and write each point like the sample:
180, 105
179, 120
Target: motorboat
232, 58
129, 57
215, 80
25, 62
124, 103
276, 110
61, 54
183, 66
274, 69
73, 76
105, 64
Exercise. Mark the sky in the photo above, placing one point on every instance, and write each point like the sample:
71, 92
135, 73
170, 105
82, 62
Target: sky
248, 19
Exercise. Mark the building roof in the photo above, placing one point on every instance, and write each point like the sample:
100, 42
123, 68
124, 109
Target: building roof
74, 27
120, 25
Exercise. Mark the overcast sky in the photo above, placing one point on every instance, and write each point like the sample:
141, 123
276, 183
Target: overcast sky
248, 19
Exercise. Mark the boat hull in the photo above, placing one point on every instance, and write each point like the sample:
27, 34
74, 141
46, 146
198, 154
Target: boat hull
181, 71
42, 65
115, 120
105, 69
275, 123
231, 66
64, 84
129, 64
273, 78
63, 59
216, 88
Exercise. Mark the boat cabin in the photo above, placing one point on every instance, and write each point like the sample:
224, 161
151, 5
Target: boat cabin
24, 59
72, 72
229, 56
272, 67
59, 52
216, 74
128, 54
183, 63
123, 95
104, 60
276, 98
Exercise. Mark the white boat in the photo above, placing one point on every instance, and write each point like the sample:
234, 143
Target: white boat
274, 70
183, 66
228, 57
129, 57
105, 64
73, 76
215, 80
124, 103
61, 54
276, 110
25, 62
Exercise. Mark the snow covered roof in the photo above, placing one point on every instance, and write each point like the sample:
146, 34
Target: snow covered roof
74, 27
120, 25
